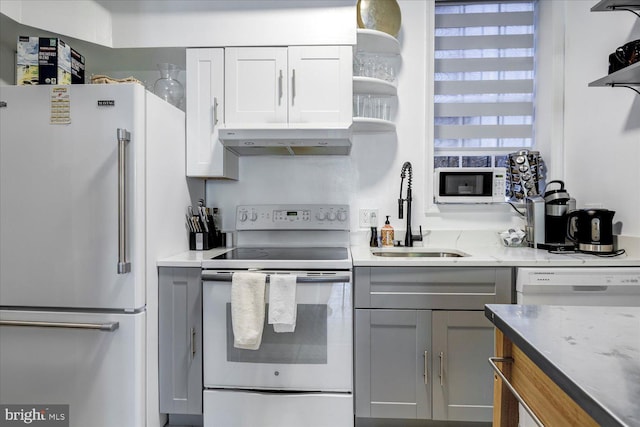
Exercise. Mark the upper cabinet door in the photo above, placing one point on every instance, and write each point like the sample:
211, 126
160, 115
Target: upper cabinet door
256, 86
320, 85
206, 156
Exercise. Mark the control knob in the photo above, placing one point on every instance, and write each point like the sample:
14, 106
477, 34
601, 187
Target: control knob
254, 216
332, 216
321, 216
342, 215
243, 216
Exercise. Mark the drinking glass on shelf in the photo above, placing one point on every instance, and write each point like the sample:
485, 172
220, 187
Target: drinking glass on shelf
370, 66
385, 108
367, 107
358, 104
358, 64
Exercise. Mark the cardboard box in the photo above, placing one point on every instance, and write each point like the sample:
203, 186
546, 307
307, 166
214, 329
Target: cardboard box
54, 62
77, 67
43, 60
27, 61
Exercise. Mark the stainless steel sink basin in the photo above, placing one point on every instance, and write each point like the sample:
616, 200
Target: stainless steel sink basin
421, 253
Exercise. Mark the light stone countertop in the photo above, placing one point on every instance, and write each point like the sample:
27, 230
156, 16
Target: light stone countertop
592, 353
484, 249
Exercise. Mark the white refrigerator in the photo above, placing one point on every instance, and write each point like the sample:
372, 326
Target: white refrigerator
92, 192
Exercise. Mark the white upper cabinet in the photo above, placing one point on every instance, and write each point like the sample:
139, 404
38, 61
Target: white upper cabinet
256, 85
320, 85
297, 86
206, 156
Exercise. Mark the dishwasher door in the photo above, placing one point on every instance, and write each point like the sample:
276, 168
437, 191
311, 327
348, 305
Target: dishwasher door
590, 286
597, 286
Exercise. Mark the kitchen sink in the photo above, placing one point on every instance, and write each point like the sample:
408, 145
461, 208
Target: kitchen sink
421, 253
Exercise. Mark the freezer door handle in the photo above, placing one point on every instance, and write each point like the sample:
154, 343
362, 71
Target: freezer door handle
105, 327
123, 265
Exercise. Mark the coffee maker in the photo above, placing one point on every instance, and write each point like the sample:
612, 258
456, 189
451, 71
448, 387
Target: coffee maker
547, 218
557, 204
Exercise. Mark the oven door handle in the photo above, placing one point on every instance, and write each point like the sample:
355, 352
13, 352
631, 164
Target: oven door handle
226, 277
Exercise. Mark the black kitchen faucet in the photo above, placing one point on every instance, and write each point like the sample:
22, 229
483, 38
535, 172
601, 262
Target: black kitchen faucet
406, 167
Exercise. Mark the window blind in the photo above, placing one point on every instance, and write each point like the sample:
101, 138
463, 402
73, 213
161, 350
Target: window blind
484, 76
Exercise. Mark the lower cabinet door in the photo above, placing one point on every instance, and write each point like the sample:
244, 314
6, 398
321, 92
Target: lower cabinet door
392, 356
462, 383
180, 340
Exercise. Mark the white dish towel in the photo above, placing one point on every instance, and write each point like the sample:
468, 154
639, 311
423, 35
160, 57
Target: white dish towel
282, 302
247, 309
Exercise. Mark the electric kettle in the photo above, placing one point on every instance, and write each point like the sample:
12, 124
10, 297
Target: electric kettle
591, 230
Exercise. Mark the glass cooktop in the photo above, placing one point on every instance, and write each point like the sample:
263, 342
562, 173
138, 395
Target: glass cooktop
286, 254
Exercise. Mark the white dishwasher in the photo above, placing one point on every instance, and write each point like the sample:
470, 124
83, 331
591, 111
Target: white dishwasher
600, 286
596, 286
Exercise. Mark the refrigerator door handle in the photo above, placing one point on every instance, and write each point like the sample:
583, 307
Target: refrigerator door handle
124, 266
106, 327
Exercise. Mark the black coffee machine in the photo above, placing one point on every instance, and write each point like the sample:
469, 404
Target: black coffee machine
557, 204
547, 218
591, 230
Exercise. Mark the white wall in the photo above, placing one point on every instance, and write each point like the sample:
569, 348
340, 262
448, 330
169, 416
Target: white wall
602, 125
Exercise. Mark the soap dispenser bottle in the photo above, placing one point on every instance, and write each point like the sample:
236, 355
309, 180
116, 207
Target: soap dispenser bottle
373, 242
387, 234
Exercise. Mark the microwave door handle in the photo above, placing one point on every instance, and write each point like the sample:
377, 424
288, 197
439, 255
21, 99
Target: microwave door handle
226, 277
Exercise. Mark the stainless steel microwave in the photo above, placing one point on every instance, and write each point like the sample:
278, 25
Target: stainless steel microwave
470, 185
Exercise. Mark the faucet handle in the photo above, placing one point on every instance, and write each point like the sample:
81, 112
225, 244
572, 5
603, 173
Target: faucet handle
418, 237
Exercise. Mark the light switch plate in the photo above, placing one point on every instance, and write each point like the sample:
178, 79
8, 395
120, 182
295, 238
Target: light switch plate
368, 218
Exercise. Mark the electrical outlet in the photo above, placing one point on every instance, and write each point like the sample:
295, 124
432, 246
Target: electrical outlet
368, 218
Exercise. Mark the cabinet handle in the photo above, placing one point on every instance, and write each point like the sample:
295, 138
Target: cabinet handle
105, 327
280, 88
124, 137
193, 343
215, 111
441, 367
293, 86
426, 367
506, 382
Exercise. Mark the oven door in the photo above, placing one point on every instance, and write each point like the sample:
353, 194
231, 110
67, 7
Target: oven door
316, 357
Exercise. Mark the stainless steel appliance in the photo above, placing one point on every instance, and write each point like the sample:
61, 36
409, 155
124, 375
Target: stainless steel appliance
298, 378
92, 193
535, 221
547, 218
557, 204
591, 230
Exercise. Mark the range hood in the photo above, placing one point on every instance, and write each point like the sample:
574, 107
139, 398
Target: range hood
287, 141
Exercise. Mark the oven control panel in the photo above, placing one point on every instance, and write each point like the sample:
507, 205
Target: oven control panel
292, 217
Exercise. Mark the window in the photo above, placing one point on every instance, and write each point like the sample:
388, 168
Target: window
484, 81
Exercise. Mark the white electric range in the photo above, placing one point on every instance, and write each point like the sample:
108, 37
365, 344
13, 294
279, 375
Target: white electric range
298, 378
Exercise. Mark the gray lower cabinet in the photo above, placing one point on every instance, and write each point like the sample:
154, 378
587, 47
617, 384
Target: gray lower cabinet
422, 342
180, 340
392, 357
462, 386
